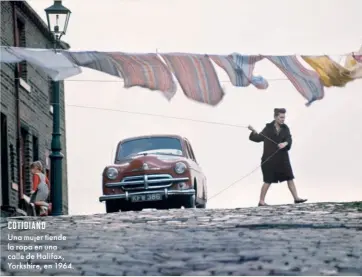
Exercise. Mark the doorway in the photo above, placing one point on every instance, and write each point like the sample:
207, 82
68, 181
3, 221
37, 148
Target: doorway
4, 162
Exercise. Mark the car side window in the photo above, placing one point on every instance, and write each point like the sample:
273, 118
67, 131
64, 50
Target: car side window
192, 152
189, 149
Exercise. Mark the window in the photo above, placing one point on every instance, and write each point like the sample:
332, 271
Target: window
189, 148
12, 162
159, 145
21, 42
4, 161
35, 149
23, 135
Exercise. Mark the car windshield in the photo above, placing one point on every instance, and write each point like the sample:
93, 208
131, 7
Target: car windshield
153, 145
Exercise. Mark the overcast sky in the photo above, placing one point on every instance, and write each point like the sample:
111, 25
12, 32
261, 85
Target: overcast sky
327, 137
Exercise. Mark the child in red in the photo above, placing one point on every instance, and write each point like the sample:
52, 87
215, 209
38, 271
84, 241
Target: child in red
41, 187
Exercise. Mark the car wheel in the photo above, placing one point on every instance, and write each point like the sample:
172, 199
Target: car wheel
112, 207
189, 201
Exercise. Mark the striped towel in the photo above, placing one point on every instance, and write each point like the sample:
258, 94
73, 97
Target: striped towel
240, 69
306, 81
146, 71
197, 77
93, 60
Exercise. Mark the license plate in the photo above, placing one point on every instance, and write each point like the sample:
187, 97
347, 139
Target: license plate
146, 197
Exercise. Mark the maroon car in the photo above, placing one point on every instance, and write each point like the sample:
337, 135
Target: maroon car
158, 171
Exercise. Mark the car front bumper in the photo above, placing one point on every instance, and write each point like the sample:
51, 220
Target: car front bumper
165, 192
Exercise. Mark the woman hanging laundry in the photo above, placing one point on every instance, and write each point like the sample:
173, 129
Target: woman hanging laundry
275, 163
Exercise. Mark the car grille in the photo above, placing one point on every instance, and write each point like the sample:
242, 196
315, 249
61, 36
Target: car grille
141, 182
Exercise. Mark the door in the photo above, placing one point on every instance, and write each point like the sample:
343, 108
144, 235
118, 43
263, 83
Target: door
4, 162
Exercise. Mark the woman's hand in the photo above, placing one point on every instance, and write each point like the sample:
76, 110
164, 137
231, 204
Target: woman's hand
252, 129
282, 145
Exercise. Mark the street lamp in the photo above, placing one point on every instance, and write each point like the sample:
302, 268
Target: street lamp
58, 18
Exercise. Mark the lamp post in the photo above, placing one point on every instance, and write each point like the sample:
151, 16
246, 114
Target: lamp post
58, 18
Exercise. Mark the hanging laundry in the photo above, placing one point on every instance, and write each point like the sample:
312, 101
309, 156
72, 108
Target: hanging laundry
358, 58
93, 60
306, 81
197, 77
354, 64
240, 69
55, 65
355, 69
145, 70
330, 72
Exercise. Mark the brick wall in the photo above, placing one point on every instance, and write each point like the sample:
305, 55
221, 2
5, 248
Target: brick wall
36, 118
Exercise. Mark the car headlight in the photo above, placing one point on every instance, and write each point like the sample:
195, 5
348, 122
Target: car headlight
112, 173
180, 167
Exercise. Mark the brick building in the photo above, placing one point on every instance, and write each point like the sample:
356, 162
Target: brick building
26, 109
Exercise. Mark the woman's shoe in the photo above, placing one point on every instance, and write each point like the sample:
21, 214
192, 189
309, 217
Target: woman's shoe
298, 201
260, 205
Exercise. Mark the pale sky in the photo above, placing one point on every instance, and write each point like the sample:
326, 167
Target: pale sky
327, 140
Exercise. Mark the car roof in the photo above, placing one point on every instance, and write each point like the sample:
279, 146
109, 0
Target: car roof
153, 136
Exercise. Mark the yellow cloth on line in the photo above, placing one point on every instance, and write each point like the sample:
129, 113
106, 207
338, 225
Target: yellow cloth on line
330, 72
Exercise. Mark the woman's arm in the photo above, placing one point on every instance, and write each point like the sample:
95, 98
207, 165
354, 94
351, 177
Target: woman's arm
254, 136
36, 182
288, 139
47, 182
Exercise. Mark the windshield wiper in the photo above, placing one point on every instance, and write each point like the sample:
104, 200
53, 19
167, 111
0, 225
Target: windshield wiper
136, 154
163, 153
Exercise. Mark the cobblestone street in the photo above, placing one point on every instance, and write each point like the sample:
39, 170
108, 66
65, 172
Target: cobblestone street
306, 239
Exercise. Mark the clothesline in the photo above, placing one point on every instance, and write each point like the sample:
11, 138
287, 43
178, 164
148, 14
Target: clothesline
158, 115
121, 81
246, 54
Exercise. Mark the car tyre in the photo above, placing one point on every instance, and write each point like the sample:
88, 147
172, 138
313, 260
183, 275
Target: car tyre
189, 201
111, 207
203, 205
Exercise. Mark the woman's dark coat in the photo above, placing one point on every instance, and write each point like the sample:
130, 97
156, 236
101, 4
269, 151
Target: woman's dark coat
277, 166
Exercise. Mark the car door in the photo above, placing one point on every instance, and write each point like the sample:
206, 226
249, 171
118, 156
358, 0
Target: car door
199, 175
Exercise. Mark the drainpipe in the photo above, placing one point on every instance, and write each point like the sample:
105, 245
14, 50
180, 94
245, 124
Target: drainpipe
17, 109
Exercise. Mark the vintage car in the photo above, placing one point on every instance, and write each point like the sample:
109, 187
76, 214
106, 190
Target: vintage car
158, 171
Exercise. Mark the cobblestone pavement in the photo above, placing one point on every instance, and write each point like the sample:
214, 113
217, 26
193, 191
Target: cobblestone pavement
305, 239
